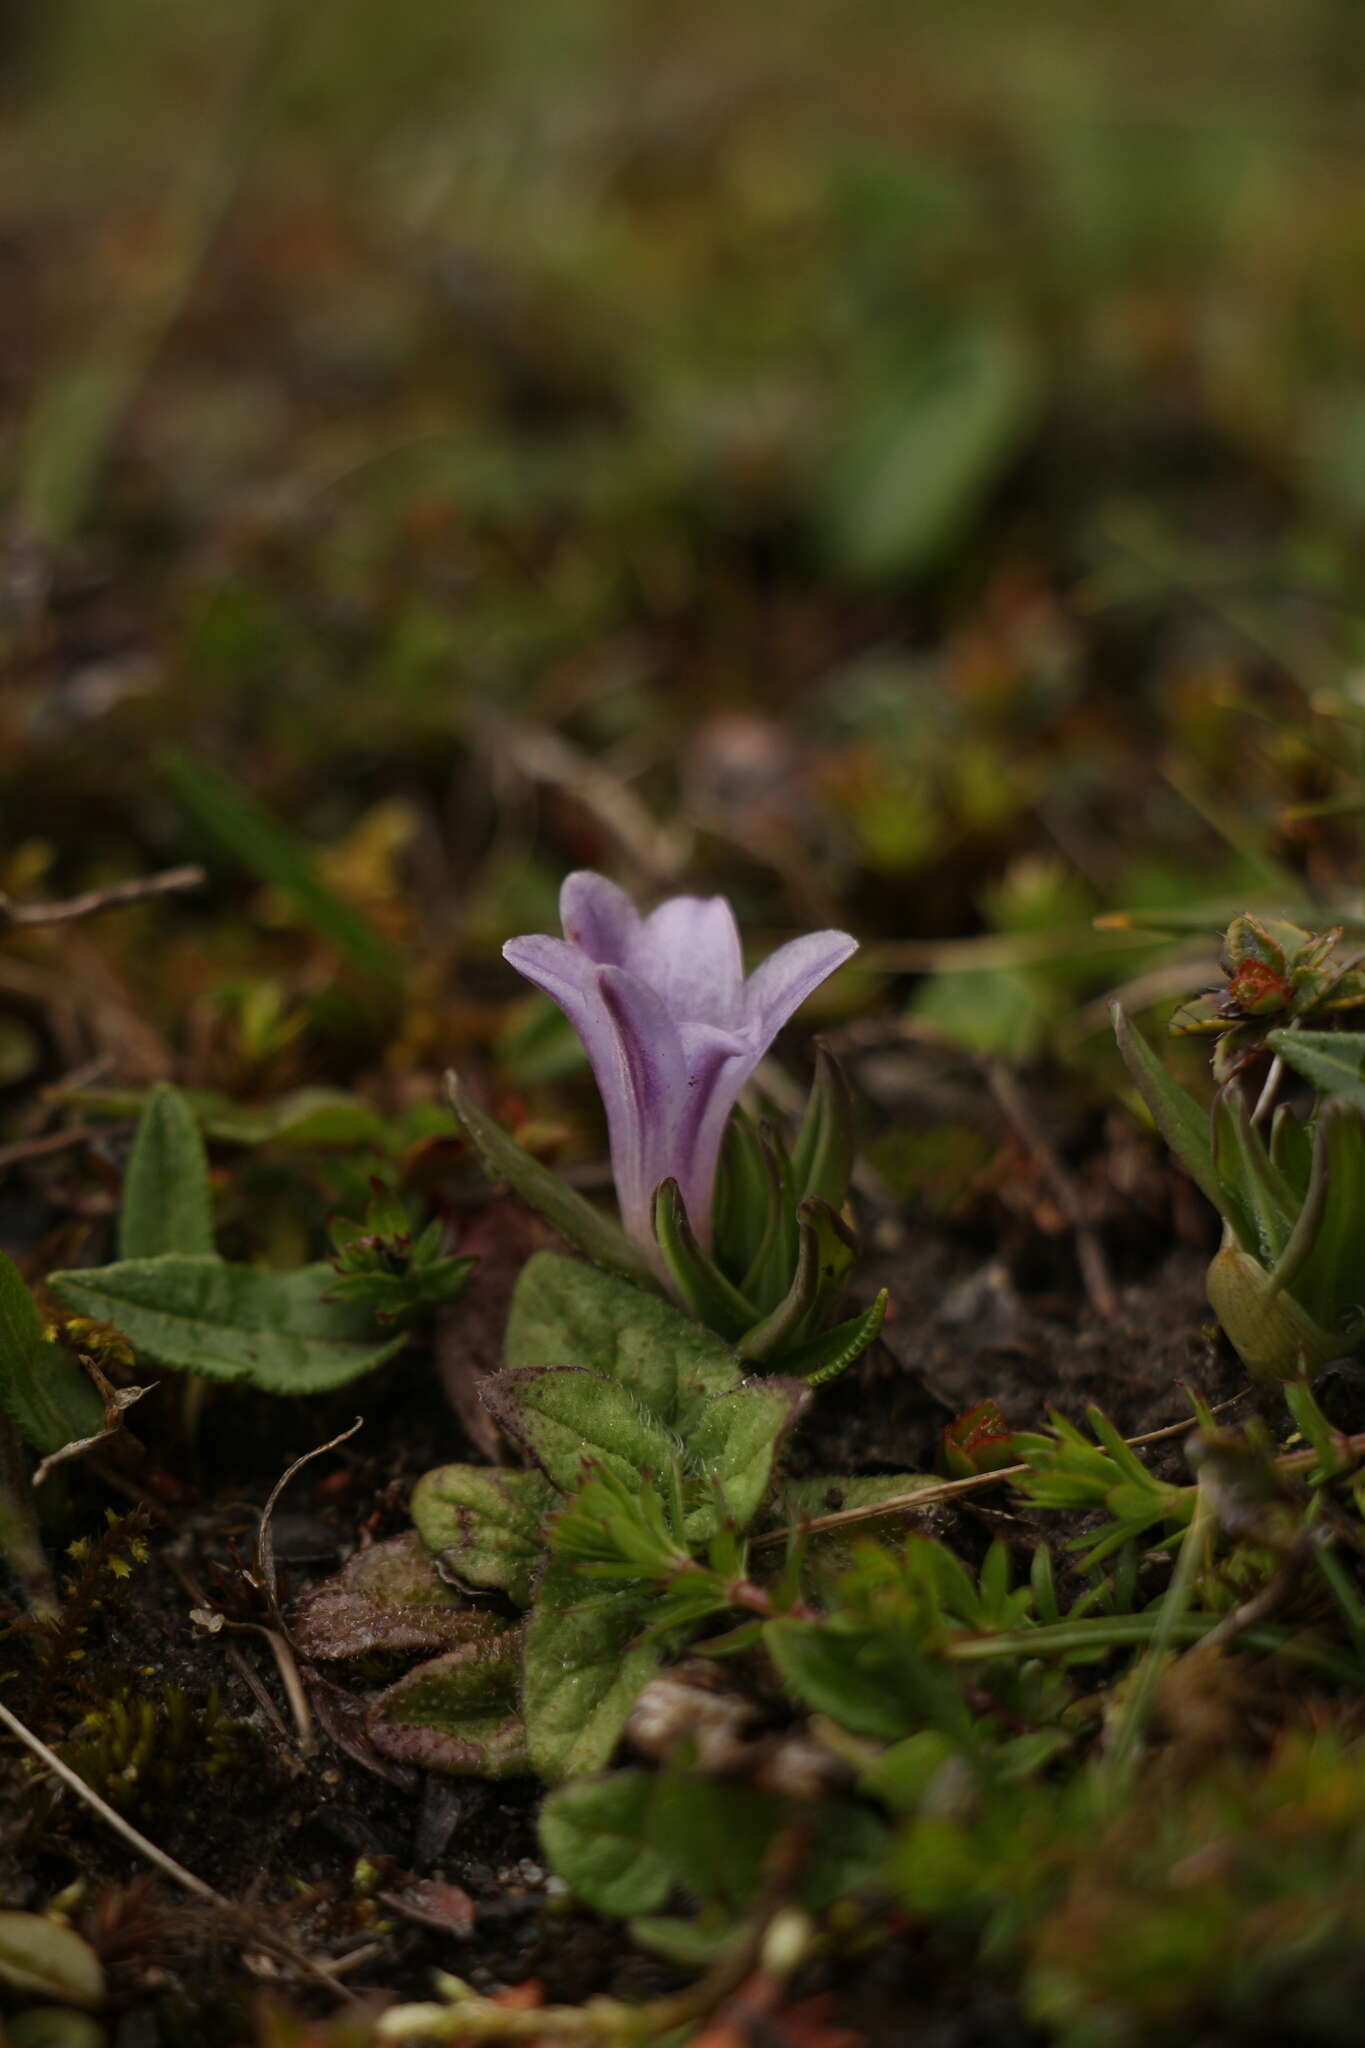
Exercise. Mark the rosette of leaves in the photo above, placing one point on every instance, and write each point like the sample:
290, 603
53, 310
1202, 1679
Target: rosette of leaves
1278, 974
650, 1454
1286, 1283
184, 1308
782, 1249
382, 1262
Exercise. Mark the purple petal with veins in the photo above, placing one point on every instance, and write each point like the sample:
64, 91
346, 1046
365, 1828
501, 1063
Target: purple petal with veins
671, 1027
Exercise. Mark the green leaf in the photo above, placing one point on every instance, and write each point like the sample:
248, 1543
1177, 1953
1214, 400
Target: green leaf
1291, 1148
227, 1322
1244, 1167
594, 1833
826, 1356
166, 1203
822, 1158
928, 437
566, 1313
1333, 1061
486, 1524
301, 1119
1329, 1283
698, 1281
40, 1955
853, 1850
1180, 1120
826, 1253
821, 1666
566, 1415
575, 1218
584, 1667
713, 1838
457, 1713
734, 1447
245, 831
43, 1389
1273, 1336
742, 1214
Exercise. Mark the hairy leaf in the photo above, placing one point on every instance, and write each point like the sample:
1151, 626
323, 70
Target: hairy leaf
824, 1357
566, 1313
457, 1713
1334, 1061
487, 1525
734, 1446
566, 1416
166, 1204
583, 1670
386, 1600
228, 1322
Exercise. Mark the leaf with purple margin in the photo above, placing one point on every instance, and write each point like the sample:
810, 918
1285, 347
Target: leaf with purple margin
457, 1713
486, 1524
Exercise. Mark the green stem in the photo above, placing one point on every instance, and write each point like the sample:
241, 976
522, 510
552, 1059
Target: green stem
1170, 1615
1119, 1632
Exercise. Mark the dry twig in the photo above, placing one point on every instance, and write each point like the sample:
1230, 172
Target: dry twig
171, 882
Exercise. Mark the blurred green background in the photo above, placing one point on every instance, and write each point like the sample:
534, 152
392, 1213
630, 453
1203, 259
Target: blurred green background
904, 465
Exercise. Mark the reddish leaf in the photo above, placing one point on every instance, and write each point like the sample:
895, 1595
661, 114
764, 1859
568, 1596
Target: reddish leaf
978, 1440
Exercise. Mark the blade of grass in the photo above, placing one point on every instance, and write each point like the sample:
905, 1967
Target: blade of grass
244, 830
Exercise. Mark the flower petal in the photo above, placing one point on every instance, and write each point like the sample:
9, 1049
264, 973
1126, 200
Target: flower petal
688, 949
718, 1064
598, 916
776, 990
558, 967
644, 1085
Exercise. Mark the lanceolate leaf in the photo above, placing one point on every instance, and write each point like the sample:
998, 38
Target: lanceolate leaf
822, 1161
826, 1255
166, 1203
1245, 1169
584, 1667
599, 1239
1329, 1283
486, 1524
1334, 1061
238, 825
228, 1322
826, 1356
43, 1389
1180, 1120
697, 1279
566, 1313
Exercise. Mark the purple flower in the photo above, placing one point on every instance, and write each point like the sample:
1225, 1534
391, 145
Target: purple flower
671, 1026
